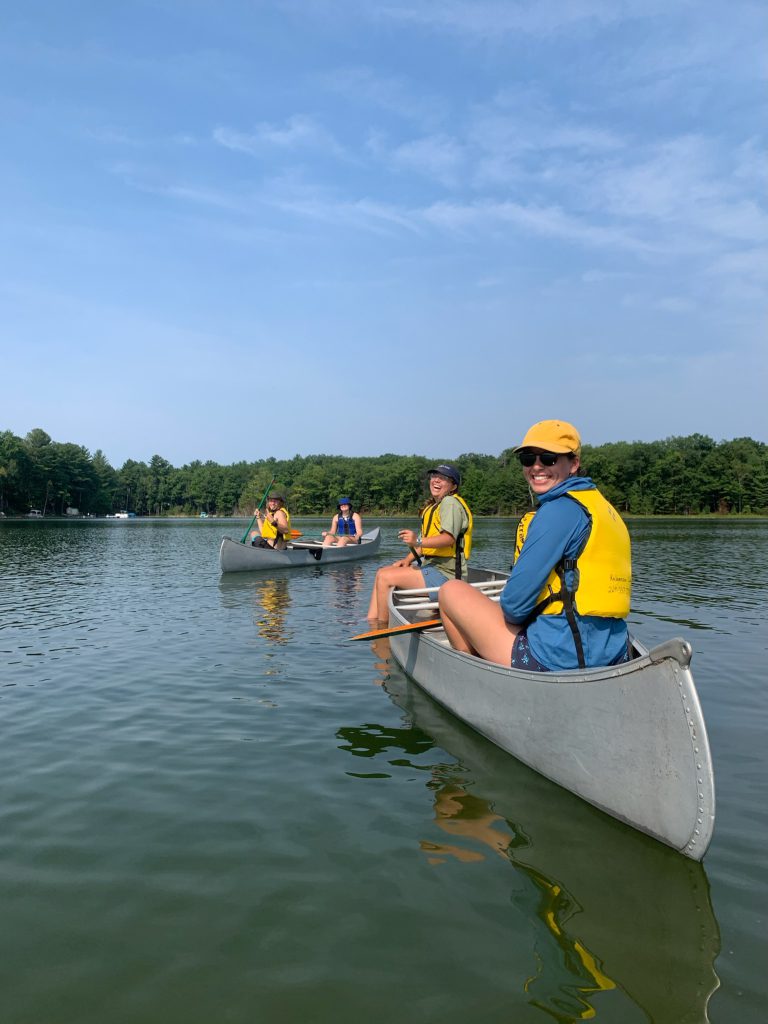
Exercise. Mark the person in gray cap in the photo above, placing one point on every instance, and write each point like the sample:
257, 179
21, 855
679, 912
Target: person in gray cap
439, 553
346, 526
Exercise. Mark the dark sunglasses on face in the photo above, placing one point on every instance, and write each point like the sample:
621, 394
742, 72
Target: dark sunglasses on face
528, 459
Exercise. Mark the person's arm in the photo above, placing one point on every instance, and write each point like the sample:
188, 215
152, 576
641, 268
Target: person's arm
334, 527
556, 528
358, 525
450, 510
411, 538
280, 522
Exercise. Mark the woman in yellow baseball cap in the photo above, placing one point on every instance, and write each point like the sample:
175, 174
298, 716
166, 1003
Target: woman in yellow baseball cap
566, 602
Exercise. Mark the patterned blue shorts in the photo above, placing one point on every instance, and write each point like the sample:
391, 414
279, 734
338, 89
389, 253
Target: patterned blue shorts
522, 657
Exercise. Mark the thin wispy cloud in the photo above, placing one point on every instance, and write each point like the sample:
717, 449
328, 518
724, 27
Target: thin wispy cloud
544, 221
436, 157
362, 214
298, 132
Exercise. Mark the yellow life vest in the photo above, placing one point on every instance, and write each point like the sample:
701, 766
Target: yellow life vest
603, 577
268, 531
430, 527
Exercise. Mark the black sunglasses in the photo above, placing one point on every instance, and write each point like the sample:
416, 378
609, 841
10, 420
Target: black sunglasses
528, 459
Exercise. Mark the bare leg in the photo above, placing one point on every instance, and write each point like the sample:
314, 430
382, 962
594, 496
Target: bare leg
474, 624
390, 576
328, 539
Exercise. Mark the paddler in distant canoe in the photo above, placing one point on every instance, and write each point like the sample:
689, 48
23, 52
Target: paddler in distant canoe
346, 526
274, 524
442, 550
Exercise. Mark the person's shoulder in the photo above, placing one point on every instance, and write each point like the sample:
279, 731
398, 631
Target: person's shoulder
451, 502
560, 508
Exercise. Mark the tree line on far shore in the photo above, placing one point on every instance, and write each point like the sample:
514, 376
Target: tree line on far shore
691, 475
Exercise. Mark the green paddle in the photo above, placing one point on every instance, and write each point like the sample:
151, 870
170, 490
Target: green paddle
248, 530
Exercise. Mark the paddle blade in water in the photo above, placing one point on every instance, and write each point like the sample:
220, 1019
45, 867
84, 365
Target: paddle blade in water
409, 627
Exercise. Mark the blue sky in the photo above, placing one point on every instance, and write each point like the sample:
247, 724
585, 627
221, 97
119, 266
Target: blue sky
240, 229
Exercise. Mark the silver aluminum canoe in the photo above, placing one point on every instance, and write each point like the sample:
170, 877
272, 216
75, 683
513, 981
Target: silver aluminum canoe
237, 557
629, 739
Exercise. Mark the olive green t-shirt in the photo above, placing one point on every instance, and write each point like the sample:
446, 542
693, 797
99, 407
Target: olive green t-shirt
454, 520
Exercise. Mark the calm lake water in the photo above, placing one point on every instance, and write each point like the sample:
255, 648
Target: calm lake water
215, 809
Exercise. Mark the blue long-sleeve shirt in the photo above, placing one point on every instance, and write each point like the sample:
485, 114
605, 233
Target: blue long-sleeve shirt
558, 530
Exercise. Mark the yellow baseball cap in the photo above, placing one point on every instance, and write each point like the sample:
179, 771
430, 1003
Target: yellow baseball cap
552, 436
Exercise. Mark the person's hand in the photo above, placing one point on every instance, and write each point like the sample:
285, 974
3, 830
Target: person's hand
325, 533
408, 537
402, 563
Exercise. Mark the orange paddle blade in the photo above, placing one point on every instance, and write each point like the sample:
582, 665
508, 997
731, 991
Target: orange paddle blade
296, 533
409, 627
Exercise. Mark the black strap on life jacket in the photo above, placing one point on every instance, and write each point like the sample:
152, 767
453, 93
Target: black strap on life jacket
569, 605
459, 553
564, 594
567, 596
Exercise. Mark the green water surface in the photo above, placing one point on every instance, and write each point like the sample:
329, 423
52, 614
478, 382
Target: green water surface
213, 808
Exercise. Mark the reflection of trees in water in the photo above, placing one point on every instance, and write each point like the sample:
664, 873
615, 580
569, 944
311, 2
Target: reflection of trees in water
562, 988
273, 600
371, 740
347, 587
615, 916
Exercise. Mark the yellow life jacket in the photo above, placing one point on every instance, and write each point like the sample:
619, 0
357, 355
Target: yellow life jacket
268, 531
430, 527
603, 569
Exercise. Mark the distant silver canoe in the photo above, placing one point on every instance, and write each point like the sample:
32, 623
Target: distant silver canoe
237, 557
629, 739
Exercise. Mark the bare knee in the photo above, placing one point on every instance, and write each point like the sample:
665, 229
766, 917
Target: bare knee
451, 592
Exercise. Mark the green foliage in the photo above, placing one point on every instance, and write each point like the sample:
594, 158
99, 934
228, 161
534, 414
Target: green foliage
679, 475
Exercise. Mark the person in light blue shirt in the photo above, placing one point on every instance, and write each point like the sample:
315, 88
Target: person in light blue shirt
567, 597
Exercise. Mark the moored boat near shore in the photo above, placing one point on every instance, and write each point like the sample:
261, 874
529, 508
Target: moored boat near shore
629, 739
234, 556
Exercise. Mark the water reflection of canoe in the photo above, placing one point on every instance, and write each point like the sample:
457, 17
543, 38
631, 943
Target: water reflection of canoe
237, 557
621, 912
629, 739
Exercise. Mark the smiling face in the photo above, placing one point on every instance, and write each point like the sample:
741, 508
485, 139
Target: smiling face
440, 485
543, 478
273, 504
344, 509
